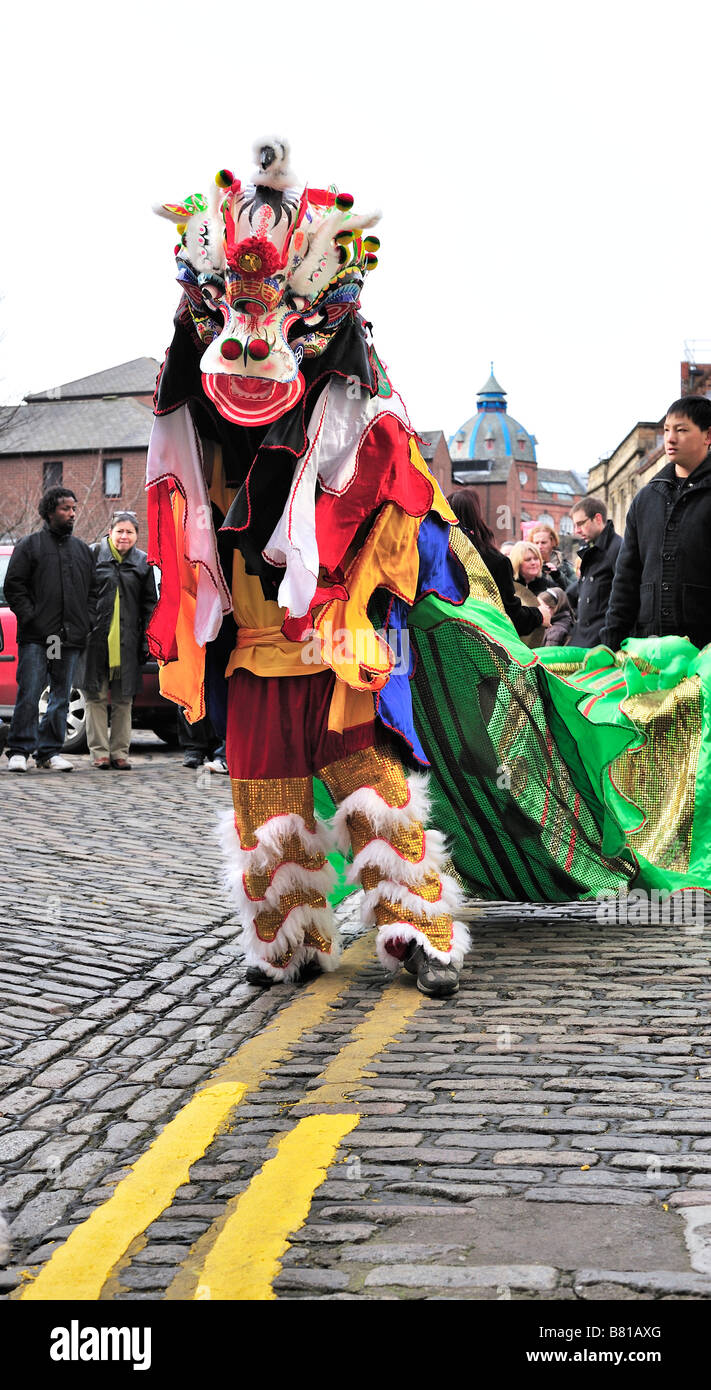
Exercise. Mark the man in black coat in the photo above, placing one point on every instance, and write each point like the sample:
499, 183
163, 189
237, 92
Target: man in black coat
598, 558
663, 580
50, 588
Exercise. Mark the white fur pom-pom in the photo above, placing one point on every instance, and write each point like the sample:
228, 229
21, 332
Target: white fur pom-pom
271, 156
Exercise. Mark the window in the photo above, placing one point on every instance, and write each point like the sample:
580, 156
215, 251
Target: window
52, 474
112, 477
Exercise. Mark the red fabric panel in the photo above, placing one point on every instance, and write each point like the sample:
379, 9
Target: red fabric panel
277, 726
384, 473
295, 628
162, 551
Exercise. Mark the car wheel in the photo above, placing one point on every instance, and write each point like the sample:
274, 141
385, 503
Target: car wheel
75, 741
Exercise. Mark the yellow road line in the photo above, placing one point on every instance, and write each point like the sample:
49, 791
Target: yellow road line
244, 1259
79, 1268
380, 1027
253, 1060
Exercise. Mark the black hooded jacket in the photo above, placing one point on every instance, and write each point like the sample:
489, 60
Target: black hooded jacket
49, 586
662, 582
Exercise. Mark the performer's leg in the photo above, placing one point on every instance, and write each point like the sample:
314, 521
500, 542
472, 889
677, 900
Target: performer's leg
277, 874
399, 864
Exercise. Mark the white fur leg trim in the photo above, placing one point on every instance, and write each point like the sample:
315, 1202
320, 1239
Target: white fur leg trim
286, 876
405, 931
270, 839
400, 893
381, 816
299, 958
280, 974
379, 854
333, 959
270, 843
272, 835
273, 971
420, 805
291, 876
290, 933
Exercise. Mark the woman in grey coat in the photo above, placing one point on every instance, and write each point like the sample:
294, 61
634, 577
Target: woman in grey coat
126, 597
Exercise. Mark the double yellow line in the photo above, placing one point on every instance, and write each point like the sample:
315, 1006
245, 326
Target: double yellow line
238, 1257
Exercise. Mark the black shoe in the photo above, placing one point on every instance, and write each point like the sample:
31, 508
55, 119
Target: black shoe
308, 972
256, 976
192, 760
434, 978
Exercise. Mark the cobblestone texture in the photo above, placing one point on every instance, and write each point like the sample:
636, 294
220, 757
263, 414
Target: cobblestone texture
519, 1137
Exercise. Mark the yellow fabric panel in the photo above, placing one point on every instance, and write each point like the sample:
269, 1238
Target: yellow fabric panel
261, 646
439, 501
388, 559
263, 650
349, 708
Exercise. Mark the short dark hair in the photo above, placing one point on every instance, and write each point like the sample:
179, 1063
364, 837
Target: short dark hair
591, 506
467, 508
47, 504
695, 408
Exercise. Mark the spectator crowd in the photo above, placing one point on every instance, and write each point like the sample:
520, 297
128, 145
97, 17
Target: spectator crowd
77, 602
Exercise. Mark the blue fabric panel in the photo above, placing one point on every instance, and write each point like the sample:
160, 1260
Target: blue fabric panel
393, 705
440, 571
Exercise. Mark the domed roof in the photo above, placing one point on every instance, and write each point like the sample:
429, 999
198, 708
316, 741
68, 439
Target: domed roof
492, 435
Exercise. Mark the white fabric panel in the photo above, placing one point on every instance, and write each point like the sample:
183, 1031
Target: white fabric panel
339, 421
173, 452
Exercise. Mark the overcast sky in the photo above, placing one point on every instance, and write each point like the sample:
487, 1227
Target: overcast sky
542, 169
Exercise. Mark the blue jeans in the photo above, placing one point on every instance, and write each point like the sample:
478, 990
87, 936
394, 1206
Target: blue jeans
27, 734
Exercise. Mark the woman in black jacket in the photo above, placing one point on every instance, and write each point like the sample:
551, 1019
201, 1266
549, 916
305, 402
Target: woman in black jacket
466, 507
126, 597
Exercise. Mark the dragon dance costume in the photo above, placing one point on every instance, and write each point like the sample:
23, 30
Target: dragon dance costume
319, 600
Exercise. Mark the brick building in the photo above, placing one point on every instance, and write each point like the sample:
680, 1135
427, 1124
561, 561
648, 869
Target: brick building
90, 435
433, 447
496, 456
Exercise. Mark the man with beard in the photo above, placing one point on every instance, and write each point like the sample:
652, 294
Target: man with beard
50, 588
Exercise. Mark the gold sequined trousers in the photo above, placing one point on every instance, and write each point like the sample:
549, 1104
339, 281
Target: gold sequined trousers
282, 875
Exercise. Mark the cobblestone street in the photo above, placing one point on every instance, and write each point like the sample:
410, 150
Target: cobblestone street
544, 1136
